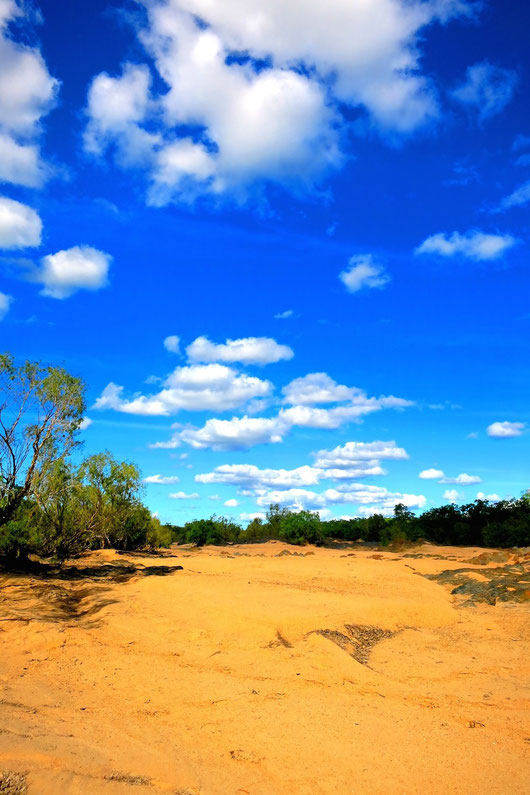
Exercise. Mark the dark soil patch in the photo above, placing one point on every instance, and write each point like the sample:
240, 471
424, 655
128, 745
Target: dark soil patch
503, 584
12, 783
357, 640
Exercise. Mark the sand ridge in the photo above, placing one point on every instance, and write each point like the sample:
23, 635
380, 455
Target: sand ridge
254, 670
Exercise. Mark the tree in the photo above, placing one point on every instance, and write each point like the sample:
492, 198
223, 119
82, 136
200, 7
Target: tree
301, 528
41, 408
109, 503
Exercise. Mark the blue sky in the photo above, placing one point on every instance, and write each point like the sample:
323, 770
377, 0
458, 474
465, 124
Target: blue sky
285, 244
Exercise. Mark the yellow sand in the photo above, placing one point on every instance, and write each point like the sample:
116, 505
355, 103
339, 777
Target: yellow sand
213, 680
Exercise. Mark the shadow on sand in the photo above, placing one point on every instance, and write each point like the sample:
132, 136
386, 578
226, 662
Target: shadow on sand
71, 594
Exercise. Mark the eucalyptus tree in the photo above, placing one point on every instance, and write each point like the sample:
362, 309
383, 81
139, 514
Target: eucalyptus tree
41, 408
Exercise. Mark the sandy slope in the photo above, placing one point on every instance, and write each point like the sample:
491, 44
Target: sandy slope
238, 674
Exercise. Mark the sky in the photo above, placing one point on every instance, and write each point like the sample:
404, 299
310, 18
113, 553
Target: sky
285, 244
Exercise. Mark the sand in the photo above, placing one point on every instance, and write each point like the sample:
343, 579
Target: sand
251, 670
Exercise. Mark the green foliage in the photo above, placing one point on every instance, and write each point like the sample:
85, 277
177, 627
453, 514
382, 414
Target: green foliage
301, 528
41, 408
216, 530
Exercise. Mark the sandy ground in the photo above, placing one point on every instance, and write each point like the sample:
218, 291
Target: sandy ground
251, 671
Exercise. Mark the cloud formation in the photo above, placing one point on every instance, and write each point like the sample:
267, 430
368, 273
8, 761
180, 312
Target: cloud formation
431, 474
248, 350
487, 89
257, 97
364, 274
172, 344
473, 245
20, 226
518, 198
162, 480
27, 93
181, 495
505, 430
77, 268
5, 303
195, 387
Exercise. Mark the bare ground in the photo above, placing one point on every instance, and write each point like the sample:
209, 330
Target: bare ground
250, 670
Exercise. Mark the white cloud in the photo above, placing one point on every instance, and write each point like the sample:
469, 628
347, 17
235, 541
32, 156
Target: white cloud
451, 494
231, 503
27, 93
284, 315
5, 303
363, 274
262, 90
505, 430
487, 88
303, 499
181, 495
358, 407
248, 517
235, 434
431, 474
20, 226
351, 461
191, 388
488, 497
352, 453
249, 350
21, 164
317, 388
248, 476
520, 196
462, 480
85, 423
474, 245
77, 268
162, 480
172, 344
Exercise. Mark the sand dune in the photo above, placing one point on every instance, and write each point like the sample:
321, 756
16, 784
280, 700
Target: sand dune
251, 670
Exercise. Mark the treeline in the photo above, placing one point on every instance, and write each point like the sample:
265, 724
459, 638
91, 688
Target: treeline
481, 523
49, 505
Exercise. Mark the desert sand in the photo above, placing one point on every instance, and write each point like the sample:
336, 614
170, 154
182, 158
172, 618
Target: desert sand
251, 670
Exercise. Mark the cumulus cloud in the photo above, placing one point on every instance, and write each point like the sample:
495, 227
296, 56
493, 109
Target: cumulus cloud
5, 303
20, 226
431, 474
487, 89
304, 499
235, 434
191, 388
181, 495
352, 461
462, 480
27, 93
248, 517
85, 423
317, 388
505, 430
487, 497
249, 350
172, 344
231, 503
262, 91
364, 273
474, 245
451, 495
518, 198
162, 480
353, 453
77, 268
284, 315
240, 433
